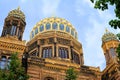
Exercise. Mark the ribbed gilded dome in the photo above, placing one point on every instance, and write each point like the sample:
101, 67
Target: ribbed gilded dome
53, 24
17, 13
108, 36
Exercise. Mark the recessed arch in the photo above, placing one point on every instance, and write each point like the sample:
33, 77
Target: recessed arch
48, 78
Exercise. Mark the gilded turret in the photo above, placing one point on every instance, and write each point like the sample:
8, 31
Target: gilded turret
17, 13
109, 45
14, 24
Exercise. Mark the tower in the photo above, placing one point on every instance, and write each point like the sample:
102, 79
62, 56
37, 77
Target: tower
109, 45
11, 37
14, 24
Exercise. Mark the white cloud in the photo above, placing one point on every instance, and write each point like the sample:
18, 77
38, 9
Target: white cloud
96, 21
93, 51
50, 7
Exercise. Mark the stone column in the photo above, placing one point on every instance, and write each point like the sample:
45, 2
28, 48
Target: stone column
69, 53
55, 48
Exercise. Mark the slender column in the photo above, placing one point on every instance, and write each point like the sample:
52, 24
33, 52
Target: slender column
53, 51
69, 53
55, 48
40, 52
17, 31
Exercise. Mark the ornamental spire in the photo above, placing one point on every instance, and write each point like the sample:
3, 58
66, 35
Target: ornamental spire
18, 8
106, 30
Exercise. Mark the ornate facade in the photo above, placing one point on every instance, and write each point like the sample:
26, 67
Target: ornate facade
53, 48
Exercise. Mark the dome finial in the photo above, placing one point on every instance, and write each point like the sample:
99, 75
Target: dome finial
106, 30
18, 8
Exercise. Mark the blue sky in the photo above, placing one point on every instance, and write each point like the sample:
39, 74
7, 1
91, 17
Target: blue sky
89, 22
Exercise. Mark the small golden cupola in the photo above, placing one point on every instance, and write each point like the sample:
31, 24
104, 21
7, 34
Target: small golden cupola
14, 24
108, 36
17, 13
109, 45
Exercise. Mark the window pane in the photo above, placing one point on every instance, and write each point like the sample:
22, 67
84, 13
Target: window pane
41, 28
67, 29
66, 54
47, 53
32, 34
59, 52
13, 30
112, 51
36, 30
54, 25
61, 27
47, 26
3, 63
44, 53
50, 52
62, 53
72, 32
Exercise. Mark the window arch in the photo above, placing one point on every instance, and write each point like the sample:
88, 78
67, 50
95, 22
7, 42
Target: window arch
72, 32
48, 78
13, 30
47, 52
67, 29
61, 27
3, 62
32, 34
47, 26
76, 57
112, 52
36, 30
63, 52
41, 28
55, 25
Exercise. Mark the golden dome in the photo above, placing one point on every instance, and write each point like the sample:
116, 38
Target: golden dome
53, 24
108, 36
17, 13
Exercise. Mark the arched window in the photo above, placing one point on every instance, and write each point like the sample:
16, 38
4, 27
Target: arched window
112, 52
44, 53
61, 27
54, 26
67, 29
47, 52
36, 30
48, 78
13, 30
3, 62
8, 62
63, 52
76, 57
41, 28
47, 26
32, 34
72, 32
